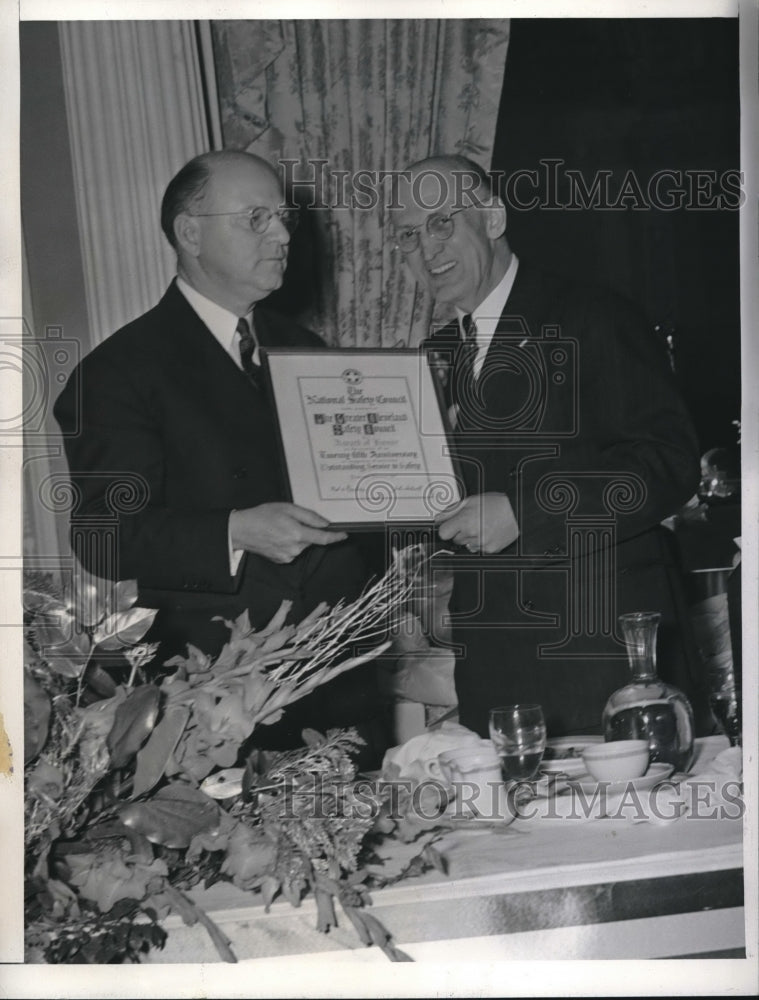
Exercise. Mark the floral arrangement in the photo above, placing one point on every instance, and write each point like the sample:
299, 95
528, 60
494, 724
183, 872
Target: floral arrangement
139, 789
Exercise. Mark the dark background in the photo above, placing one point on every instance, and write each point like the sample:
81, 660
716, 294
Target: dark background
646, 95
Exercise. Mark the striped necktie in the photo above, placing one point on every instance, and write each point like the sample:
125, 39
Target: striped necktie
464, 393
470, 339
247, 347
468, 349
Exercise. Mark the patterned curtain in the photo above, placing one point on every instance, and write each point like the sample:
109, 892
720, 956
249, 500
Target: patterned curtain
339, 102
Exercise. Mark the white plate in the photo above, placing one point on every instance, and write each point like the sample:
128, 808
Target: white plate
654, 774
589, 800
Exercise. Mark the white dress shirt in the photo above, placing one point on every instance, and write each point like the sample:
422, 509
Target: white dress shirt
488, 312
220, 321
223, 325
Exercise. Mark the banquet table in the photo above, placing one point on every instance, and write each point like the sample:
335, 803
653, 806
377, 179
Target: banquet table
539, 888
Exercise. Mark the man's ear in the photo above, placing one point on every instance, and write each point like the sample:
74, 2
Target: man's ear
496, 219
187, 233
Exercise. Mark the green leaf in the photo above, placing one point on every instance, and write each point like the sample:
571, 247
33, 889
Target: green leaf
258, 761
256, 690
225, 784
45, 780
173, 816
239, 628
124, 628
64, 650
156, 753
224, 754
212, 841
312, 738
107, 879
196, 662
279, 619
67, 666
139, 846
228, 717
133, 722
256, 767
99, 680
268, 720
38, 602
277, 640
124, 595
88, 600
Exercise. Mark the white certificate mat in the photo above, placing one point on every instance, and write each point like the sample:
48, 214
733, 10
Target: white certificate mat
364, 436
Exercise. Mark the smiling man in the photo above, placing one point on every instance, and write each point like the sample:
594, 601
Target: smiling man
171, 440
565, 411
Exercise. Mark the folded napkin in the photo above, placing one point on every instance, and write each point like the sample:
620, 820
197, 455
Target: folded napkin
416, 759
728, 763
710, 791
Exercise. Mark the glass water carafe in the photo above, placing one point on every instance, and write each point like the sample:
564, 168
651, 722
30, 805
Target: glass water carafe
648, 708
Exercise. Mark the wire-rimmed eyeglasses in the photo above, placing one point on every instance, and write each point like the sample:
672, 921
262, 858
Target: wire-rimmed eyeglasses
439, 227
259, 219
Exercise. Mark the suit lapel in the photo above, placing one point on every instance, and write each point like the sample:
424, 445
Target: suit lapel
510, 378
515, 321
195, 365
198, 360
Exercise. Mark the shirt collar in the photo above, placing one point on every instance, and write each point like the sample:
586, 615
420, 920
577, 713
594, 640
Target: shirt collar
220, 321
490, 309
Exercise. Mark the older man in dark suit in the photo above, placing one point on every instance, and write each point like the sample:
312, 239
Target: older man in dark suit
172, 407
573, 443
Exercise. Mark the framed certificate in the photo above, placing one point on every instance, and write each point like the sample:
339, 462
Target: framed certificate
364, 435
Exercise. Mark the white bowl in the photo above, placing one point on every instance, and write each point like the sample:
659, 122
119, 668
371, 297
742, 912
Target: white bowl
564, 755
620, 760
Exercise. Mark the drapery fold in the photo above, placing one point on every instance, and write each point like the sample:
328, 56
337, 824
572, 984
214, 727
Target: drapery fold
135, 115
346, 100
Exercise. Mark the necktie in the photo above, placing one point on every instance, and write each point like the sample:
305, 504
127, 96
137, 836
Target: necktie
464, 381
247, 347
470, 343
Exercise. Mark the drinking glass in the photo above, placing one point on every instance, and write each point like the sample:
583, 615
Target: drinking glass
726, 709
518, 733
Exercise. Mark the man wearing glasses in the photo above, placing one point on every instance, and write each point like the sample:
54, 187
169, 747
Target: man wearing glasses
172, 406
573, 445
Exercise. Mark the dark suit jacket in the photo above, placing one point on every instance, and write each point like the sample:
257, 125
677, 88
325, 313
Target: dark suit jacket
160, 408
577, 418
